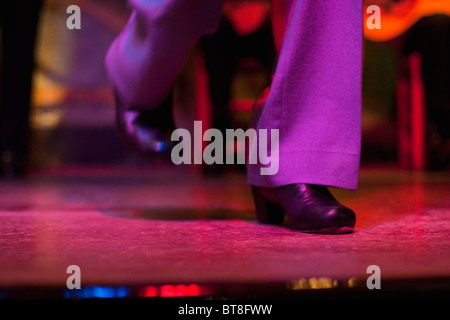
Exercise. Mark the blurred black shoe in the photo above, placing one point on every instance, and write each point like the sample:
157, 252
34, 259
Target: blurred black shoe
147, 132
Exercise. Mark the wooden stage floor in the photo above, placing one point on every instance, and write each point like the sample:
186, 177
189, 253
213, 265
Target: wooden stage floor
171, 232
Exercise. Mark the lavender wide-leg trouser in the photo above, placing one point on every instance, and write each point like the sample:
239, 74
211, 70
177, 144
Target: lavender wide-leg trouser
315, 96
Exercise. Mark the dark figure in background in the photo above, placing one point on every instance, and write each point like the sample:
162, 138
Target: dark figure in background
18, 23
223, 50
238, 38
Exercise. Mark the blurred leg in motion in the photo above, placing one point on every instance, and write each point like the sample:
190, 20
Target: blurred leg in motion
150, 52
144, 61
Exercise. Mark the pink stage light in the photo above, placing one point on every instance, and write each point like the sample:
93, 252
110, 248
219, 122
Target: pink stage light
171, 291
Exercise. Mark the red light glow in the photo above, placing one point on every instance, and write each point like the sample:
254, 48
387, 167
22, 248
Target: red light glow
170, 291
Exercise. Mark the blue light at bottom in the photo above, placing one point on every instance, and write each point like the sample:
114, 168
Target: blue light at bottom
99, 292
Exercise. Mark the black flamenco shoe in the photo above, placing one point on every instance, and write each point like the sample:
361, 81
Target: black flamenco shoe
308, 208
147, 132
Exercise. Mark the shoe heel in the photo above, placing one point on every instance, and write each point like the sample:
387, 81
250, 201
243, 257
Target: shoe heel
266, 211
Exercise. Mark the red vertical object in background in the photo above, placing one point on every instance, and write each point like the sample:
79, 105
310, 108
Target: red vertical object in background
278, 9
202, 92
411, 113
403, 124
417, 113
202, 101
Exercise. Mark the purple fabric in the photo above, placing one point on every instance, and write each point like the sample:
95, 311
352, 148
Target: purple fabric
315, 97
146, 57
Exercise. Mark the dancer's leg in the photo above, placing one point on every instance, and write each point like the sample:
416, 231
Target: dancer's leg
145, 59
315, 97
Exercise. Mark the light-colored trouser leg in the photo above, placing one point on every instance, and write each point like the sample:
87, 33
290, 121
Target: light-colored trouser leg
315, 96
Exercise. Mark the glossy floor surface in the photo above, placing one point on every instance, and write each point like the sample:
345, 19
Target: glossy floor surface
165, 231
